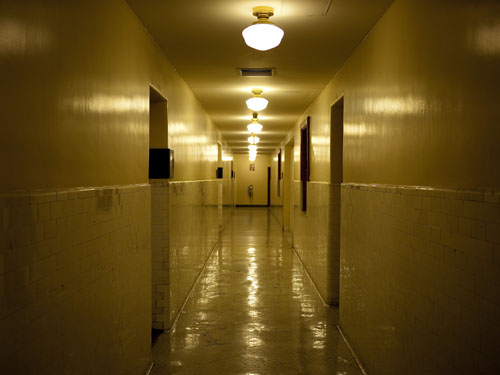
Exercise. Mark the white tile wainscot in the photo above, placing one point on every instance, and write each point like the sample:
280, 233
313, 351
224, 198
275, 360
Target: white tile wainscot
420, 278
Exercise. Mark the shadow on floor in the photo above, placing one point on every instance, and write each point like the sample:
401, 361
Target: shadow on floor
155, 334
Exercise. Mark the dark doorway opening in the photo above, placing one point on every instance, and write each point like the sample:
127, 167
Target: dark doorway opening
336, 180
268, 186
305, 170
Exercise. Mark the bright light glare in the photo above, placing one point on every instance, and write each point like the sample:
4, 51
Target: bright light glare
252, 148
254, 128
257, 104
263, 36
253, 139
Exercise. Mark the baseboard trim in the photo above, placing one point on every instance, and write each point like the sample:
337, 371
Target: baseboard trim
351, 350
310, 278
177, 315
150, 368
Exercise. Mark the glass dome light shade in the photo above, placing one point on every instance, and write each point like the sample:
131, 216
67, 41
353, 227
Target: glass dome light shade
253, 139
252, 148
263, 35
257, 103
254, 128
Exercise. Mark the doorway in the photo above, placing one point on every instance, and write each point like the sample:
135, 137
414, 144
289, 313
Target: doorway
268, 186
220, 187
158, 141
336, 180
288, 191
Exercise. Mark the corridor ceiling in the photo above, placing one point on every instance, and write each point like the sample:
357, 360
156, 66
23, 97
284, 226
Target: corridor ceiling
202, 39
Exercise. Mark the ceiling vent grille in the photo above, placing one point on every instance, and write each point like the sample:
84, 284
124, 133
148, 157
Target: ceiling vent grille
257, 72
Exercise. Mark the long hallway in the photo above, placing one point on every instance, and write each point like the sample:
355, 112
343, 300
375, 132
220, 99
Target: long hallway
254, 311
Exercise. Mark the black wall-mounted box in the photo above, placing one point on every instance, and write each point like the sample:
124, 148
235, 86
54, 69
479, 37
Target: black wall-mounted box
219, 172
161, 163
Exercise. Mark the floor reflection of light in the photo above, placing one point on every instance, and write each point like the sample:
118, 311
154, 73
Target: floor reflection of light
192, 340
253, 328
307, 309
319, 331
209, 284
201, 316
318, 344
252, 331
252, 277
254, 341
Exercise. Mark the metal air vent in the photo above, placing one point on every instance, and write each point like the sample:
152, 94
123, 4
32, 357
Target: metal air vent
257, 72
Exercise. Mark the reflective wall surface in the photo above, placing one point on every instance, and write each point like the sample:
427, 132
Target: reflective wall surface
75, 99
420, 102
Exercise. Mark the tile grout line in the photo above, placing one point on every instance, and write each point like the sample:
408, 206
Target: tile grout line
351, 350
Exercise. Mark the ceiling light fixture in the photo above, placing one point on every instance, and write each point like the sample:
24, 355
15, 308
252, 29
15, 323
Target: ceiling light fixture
252, 148
253, 139
263, 35
257, 103
254, 127
252, 157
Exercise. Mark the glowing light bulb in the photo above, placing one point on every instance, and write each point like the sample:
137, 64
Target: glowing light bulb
263, 35
257, 103
254, 128
253, 139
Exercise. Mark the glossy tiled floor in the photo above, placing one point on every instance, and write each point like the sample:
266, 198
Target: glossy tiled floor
254, 311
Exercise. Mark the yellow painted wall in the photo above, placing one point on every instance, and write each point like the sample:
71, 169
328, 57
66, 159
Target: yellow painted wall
75, 104
257, 178
421, 99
